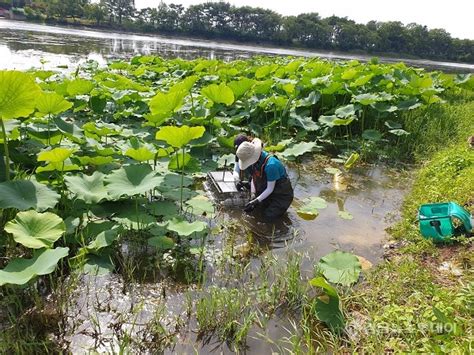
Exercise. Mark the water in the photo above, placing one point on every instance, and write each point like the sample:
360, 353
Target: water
104, 311
24, 45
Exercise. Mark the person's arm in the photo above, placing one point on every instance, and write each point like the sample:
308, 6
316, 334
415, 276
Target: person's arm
252, 189
236, 172
268, 191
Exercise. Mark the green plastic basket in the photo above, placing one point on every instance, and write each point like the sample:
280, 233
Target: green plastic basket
436, 220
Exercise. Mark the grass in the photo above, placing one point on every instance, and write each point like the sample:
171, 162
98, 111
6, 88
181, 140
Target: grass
407, 304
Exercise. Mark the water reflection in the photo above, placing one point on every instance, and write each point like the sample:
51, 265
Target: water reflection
28, 43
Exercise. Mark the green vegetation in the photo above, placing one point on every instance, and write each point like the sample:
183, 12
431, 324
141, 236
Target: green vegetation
253, 24
107, 162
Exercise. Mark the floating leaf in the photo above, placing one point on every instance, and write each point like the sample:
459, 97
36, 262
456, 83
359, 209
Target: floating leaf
311, 207
184, 228
24, 195
52, 104
221, 94
132, 180
201, 205
340, 267
90, 189
20, 271
18, 93
327, 307
345, 215
36, 230
178, 137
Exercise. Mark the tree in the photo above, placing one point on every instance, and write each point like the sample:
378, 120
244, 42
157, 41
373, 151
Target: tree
118, 10
96, 11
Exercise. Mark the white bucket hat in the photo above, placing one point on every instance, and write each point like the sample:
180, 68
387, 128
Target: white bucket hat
249, 153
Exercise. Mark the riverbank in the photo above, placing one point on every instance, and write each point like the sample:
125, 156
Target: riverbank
76, 29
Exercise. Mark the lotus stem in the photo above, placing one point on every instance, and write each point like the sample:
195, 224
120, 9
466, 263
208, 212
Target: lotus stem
7, 153
182, 179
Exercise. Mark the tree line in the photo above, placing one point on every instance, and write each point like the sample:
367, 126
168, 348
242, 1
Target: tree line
221, 20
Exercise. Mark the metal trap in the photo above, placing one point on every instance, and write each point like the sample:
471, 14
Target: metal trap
221, 187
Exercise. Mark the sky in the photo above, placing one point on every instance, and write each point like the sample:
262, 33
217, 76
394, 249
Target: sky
455, 16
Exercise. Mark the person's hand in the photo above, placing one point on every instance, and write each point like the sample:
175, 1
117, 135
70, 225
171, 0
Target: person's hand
250, 206
242, 186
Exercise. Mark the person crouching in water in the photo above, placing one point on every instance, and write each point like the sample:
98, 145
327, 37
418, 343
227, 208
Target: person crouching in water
271, 190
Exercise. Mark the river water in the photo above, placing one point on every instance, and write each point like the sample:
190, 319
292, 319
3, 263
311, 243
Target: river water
24, 45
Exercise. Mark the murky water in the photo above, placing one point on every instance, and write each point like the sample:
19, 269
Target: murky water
23, 45
107, 311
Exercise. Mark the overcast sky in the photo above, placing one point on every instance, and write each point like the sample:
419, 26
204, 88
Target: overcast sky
455, 16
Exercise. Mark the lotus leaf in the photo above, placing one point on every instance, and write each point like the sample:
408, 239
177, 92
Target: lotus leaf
311, 207
220, 94
185, 228
79, 87
165, 104
36, 230
90, 189
52, 104
345, 215
161, 243
349, 163
399, 132
345, 111
366, 99
327, 307
372, 135
201, 205
18, 93
332, 121
24, 195
135, 220
298, 149
241, 86
162, 208
56, 155
178, 137
105, 238
20, 271
178, 161
132, 180
98, 265
340, 267
140, 154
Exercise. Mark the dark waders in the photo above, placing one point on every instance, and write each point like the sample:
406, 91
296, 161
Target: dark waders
275, 205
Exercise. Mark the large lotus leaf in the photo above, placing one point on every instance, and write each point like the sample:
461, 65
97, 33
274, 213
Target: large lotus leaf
399, 132
56, 155
68, 128
305, 122
98, 265
349, 74
332, 121
132, 180
178, 137
327, 307
240, 87
311, 207
79, 87
24, 195
90, 189
58, 167
201, 205
18, 93
345, 111
166, 103
384, 107
372, 135
134, 220
410, 104
340, 267
20, 271
221, 94
179, 160
50, 103
263, 71
185, 228
173, 181
36, 230
140, 154
362, 80
185, 85
105, 238
366, 99
161, 243
298, 149
162, 208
